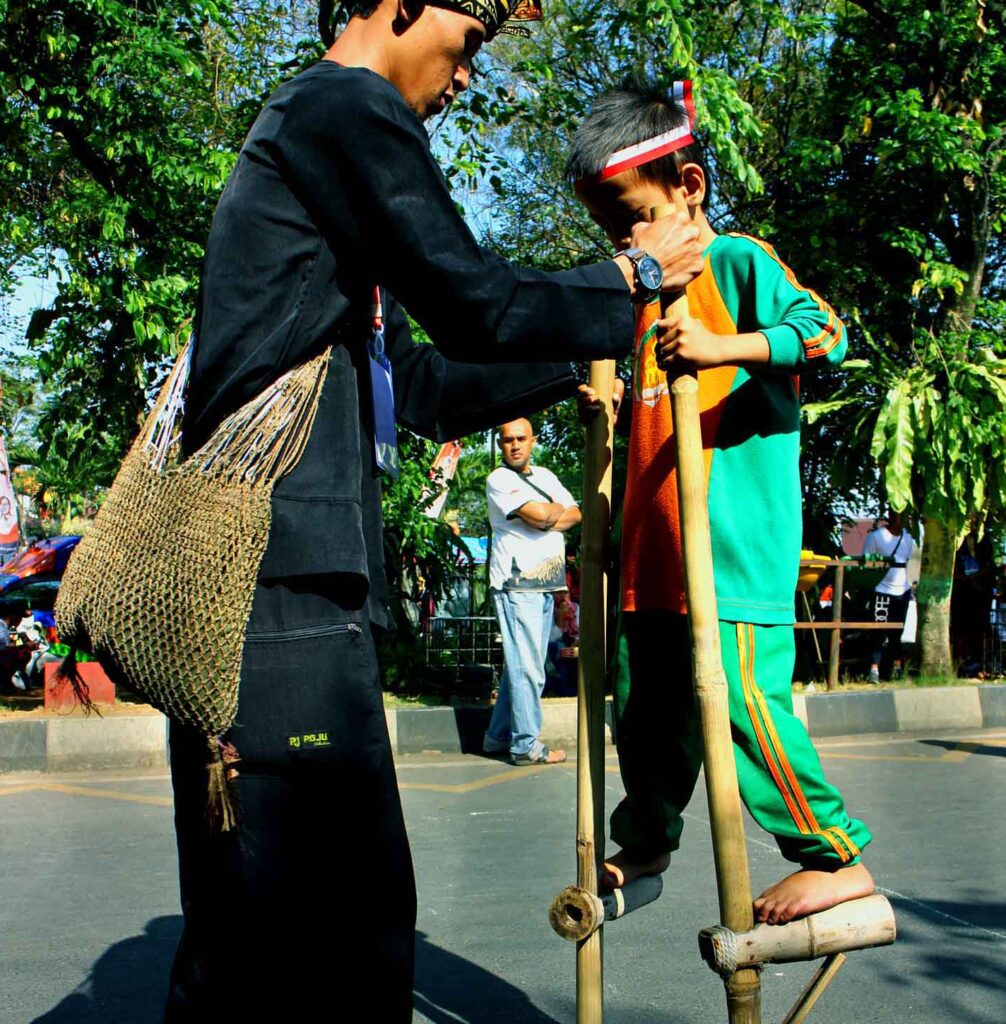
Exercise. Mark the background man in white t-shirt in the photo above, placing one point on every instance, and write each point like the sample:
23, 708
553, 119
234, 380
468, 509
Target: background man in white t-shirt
528, 511
893, 593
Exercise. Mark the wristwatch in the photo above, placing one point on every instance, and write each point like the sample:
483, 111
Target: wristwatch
648, 275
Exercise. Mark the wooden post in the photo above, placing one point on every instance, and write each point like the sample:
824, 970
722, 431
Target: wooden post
733, 883
836, 633
813, 632
590, 689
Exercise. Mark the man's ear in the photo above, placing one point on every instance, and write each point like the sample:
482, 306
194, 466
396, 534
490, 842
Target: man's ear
693, 179
407, 12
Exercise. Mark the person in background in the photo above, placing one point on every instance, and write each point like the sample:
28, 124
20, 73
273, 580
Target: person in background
14, 654
528, 510
971, 602
891, 542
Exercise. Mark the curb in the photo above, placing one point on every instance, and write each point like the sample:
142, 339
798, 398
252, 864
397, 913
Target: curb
65, 744
140, 741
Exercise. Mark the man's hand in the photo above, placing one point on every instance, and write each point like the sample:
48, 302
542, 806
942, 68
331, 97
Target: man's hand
684, 343
589, 405
674, 242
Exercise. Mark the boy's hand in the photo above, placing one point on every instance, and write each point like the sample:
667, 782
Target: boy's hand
674, 242
588, 405
684, 343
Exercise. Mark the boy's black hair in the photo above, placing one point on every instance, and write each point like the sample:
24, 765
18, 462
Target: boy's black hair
350, 9
634, 112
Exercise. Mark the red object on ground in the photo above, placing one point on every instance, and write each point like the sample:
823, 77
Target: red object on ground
59, 695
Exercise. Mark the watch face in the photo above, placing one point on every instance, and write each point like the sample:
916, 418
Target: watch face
651, 275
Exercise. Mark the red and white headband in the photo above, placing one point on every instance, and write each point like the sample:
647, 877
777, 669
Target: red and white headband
660, 145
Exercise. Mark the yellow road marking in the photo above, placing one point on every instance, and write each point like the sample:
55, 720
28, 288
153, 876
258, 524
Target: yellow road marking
101, 794
961, 751
468, 787
108, 794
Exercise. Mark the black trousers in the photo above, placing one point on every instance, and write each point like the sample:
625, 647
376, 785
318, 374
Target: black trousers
889, 608
311, 900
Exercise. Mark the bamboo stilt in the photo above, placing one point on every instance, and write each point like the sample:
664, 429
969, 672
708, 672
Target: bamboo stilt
815, 988
743, 988
596, 515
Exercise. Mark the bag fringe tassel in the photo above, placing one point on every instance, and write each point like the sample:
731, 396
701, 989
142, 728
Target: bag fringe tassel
222, 809
68, 671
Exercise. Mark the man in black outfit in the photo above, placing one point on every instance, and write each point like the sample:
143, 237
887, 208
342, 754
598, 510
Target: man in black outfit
310, 903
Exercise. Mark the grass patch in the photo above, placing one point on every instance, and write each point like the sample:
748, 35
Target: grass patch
911, 683
419, 700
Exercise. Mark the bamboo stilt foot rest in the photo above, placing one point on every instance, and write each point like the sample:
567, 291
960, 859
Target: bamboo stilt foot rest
857, 924
577, 913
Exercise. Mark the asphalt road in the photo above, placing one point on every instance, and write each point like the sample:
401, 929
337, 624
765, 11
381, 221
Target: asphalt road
89, 909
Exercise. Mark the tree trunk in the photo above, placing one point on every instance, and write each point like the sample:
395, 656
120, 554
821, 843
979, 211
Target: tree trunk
935, 582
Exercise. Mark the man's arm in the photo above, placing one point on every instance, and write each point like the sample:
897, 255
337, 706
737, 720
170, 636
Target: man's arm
544, 515
443, 399
357, 156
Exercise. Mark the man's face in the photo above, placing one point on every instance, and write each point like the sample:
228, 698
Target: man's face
619, 202
516, 442
435, 66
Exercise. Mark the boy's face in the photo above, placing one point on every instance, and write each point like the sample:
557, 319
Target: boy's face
619, 202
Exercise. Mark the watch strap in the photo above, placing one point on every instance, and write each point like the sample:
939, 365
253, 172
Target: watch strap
635, 256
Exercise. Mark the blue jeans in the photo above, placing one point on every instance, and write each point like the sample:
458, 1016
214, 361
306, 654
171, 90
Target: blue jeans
525, 620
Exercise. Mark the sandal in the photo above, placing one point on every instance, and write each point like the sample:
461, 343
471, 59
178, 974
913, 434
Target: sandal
544, 756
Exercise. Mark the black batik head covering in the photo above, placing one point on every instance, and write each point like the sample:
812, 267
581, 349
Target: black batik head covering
498, 16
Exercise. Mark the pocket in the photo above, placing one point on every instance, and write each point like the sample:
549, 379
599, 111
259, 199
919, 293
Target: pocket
309, 694
317, 517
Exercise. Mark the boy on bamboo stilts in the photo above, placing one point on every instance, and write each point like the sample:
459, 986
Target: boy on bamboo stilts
751, 328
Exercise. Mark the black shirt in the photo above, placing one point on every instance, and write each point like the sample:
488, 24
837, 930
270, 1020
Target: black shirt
335, 190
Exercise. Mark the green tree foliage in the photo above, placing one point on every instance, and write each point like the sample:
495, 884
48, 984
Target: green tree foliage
119, 123
911, 233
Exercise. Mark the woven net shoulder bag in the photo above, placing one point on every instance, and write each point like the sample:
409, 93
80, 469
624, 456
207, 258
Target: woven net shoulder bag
160, 588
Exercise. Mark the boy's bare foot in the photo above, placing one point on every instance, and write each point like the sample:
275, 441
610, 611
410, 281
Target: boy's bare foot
807, 891
619, 870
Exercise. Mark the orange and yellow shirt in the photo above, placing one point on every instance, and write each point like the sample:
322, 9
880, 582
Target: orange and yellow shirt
750, 435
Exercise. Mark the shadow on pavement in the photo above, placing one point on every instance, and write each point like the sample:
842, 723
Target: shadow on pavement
979, 748
968, 959
452, 990
129, 982
128, 985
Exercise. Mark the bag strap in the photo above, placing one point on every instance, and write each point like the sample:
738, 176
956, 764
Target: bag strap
534, 487
894, 554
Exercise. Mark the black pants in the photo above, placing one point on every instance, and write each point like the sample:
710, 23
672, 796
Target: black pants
889, 608
312, 899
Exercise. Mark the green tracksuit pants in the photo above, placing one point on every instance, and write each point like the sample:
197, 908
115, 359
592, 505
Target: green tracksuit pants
660, 742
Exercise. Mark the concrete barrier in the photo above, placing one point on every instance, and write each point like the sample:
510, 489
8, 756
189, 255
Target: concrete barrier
63, 743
